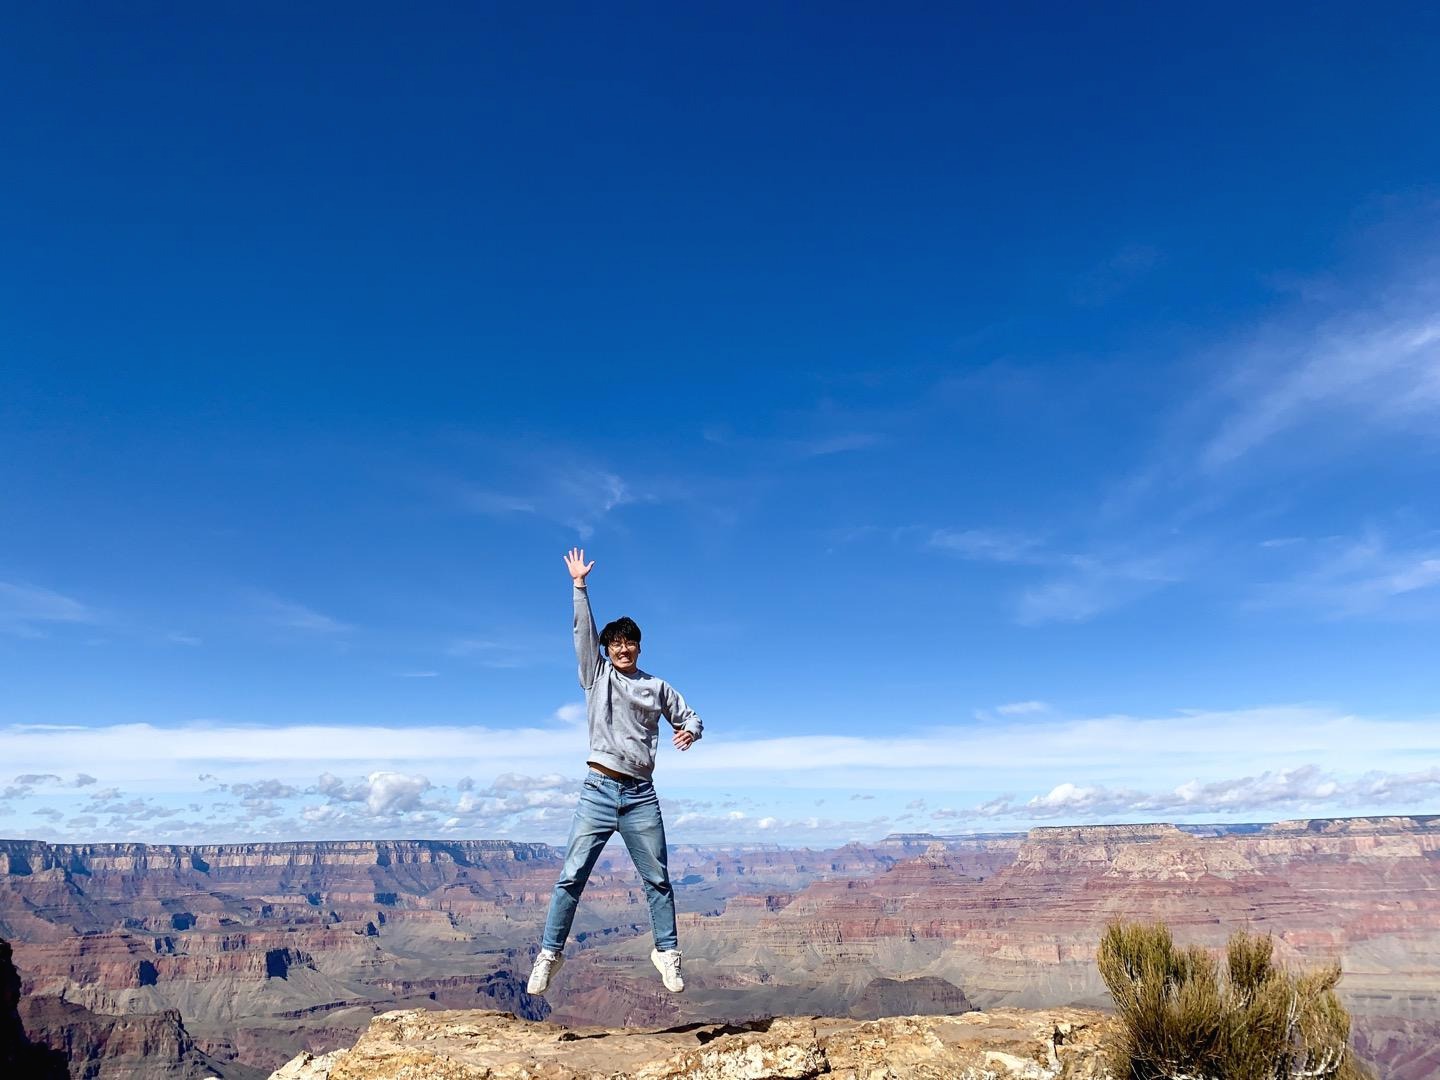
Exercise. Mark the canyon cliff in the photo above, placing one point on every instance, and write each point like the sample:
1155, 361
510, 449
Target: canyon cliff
266, 950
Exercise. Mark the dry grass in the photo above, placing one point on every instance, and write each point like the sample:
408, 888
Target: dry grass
1184, 1016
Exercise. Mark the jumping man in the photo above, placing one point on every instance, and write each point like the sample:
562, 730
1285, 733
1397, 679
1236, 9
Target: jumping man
624, 706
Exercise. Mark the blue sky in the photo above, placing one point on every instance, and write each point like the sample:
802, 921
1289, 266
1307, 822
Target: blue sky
992, 417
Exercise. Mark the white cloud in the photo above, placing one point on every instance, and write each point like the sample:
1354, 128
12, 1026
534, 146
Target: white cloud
572, 713
1358, 576
507, 783
332, 787
379, 781
264, 789
25, 610
1373, 368
493, 503
987, 545
1022, 708
568, 492
1091, 586
1295, 789
1074, 587
1305, 387
26, 783
511, 794
174, 757
393, 793
1418, 575
128, 815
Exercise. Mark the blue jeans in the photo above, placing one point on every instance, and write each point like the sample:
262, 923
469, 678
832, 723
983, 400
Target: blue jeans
607, 805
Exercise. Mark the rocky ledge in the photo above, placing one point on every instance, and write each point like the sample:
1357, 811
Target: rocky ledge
1005, 1044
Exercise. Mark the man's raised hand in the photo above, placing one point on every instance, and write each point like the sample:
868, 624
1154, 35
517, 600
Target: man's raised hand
578, 567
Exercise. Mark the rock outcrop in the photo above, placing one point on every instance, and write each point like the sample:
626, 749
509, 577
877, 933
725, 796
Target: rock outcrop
471, 1045
46, 1038
19, 1055
137, 1046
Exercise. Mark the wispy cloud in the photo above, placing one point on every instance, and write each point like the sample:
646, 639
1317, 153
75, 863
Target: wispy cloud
1359, 368
836, 444
1361, 576
491, 654
28, 610
573, 493
1305, 385
494, 503
1072, 586
988, 545
1022, 708
290, 615
1090, 586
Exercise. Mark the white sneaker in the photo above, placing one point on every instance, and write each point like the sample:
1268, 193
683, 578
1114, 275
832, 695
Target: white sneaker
547, 966
668, 964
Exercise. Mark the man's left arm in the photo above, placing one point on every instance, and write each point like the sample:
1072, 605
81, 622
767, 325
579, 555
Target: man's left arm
682, 718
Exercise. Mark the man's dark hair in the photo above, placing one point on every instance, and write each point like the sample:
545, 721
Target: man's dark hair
622, 629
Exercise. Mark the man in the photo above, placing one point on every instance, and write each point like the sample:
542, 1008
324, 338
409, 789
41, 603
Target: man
624, 706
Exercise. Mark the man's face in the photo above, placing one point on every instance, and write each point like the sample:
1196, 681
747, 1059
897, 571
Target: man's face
623, 653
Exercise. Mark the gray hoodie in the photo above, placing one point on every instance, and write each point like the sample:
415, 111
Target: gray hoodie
624, 710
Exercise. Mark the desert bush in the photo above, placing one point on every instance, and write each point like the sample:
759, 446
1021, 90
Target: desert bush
1185, 1016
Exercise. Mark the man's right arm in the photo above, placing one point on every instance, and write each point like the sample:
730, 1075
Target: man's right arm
587, 640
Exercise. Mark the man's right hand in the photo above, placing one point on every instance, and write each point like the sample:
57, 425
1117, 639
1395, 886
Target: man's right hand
578, 567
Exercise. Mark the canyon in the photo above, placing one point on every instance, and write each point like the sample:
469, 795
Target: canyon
228, 960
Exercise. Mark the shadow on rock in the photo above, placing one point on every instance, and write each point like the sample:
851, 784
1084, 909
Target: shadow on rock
18, 1055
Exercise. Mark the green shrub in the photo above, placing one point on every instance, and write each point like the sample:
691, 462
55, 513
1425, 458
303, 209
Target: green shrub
1184, 1017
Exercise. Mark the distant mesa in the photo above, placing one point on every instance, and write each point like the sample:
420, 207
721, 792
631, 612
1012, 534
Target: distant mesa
1080, 834
1405, 823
